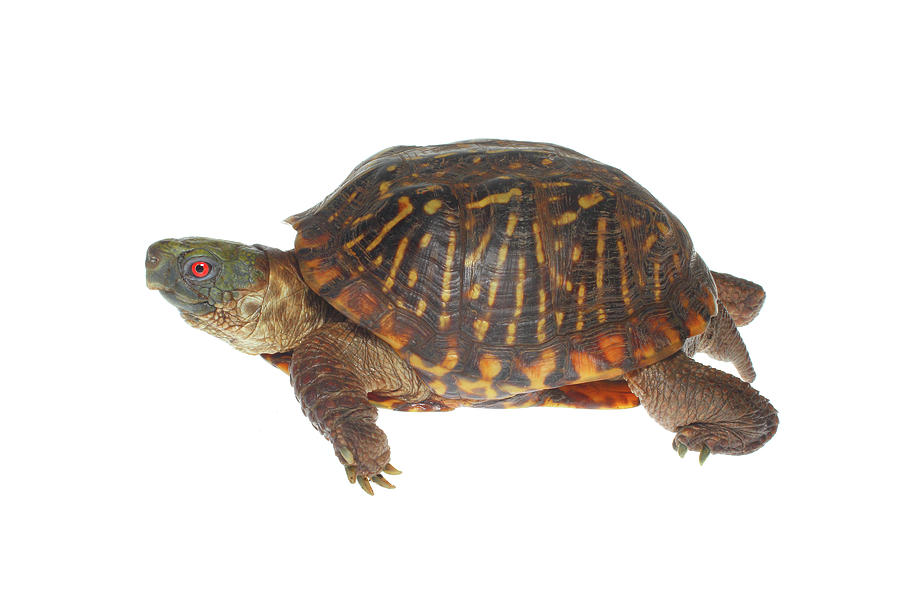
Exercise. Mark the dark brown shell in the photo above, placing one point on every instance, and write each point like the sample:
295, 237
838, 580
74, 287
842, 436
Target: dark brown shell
498, 267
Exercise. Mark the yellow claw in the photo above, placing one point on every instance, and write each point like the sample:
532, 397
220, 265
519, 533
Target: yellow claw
348, 456
704, 453
365, 485
390, 470
380, 480
351, 473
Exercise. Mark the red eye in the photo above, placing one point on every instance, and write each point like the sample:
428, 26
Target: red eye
200, 269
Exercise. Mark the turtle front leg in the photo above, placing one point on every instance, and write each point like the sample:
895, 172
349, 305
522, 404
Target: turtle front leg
710, 411
332, 372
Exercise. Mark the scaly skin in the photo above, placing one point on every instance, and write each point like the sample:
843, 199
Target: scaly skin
743, 299
254, 299
711, 411
722, 341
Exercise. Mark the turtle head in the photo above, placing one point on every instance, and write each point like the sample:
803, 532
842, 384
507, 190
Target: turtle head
245, 295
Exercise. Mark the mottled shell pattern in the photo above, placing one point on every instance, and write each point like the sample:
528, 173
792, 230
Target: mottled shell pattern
497, 267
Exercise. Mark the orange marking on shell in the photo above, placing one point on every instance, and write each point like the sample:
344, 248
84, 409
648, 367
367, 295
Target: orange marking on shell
412, 278
395, 265
447, 365
542, 301
613, 348
695, 323
511, 223
599, 394
361, 219
477, 253
303, 242
476, 388
432, 206
590, 200
354, 241
474, 292
539, 245
511, 333
492, 292
426, 239
663, 228
437, 386
384, 187
626, 297
420, 307
480, 326
396, 340
601, 243
501, 254
496, 198
657, 288
576, 252
520, 287
448, 266
322, 276
357, 303
404, 208
443, 321
378, 260
566, 218
489, 366
537, 372
541, 335
546, 161
588, 368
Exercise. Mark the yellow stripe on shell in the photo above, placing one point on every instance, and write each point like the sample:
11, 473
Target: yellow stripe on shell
495, 199
404, 208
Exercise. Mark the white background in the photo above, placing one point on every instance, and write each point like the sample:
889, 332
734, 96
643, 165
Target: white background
142, 459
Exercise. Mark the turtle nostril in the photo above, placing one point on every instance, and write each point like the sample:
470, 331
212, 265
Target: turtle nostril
153, 257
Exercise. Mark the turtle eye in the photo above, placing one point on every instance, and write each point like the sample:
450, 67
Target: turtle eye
199, 269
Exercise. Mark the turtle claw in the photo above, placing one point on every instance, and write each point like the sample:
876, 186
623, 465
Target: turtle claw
380, 480
351, 473
704, 454
681, 449
391, 470
347, 455
365, 485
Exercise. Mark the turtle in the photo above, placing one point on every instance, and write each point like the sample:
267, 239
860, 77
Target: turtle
483, 273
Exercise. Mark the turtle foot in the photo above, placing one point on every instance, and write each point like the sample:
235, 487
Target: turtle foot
719, 438
363, 450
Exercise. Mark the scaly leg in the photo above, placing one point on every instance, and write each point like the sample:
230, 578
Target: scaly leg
710, 411
332, 372
722, 341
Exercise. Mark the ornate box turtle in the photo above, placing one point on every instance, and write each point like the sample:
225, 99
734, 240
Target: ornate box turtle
487, 273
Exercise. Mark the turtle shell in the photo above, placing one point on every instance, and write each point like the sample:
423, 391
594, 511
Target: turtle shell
497, 268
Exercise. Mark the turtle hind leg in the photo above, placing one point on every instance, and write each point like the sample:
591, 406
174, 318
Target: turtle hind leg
709, 410
722, 341
743, 299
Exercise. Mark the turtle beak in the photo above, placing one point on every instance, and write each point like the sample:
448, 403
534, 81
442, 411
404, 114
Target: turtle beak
159, 262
